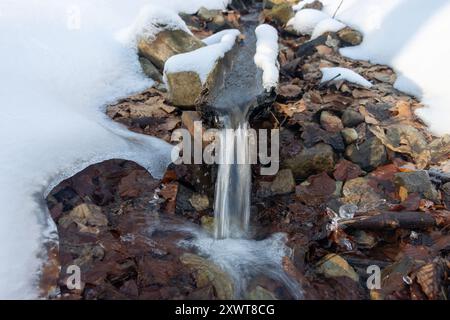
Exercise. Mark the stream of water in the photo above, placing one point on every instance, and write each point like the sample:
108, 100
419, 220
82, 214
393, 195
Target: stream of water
232, 248
241, 87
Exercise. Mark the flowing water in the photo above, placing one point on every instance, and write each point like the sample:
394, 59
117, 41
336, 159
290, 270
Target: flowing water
244, 259
232, 249
233, 100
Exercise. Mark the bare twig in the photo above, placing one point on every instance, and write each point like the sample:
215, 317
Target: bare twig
276, 119
340, 4
328, 81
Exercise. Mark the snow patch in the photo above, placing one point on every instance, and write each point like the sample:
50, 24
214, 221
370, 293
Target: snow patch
150, 21
266, 57
306, 20
203, 60
336, 74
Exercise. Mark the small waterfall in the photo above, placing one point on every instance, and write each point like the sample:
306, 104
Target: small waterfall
232, 247
233, 186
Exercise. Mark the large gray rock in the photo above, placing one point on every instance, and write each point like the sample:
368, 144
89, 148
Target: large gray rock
417, 182
166, 44
368, 155
319, 158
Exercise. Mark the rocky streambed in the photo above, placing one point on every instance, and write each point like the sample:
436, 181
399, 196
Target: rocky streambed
362, 183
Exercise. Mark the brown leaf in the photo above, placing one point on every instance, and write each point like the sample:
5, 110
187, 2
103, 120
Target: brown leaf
404, 139
429, 277
369, 118
291, 108
403, 109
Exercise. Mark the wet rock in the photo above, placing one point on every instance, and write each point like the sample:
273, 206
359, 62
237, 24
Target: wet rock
284, 182
166, 44
333, 266
416, 181
359, 192
259, 293
368, 155
208, 272
200, 202
350, 135
350, 37
150, 70
352, 118
281, 13
207, 223
330, 122
346, 170
309, 161
207, 14
195, 176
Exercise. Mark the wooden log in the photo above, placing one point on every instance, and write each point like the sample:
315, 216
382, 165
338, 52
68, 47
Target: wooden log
391, 220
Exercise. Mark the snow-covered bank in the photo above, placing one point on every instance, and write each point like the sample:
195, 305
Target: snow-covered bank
60, 63
409, 35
